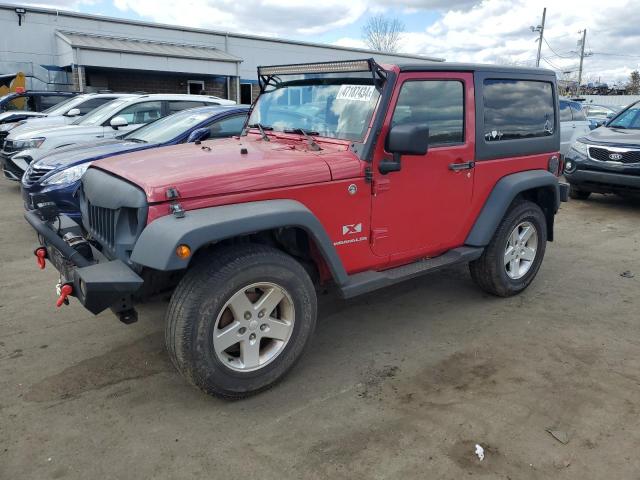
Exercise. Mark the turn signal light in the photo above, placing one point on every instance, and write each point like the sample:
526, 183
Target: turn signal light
183, 251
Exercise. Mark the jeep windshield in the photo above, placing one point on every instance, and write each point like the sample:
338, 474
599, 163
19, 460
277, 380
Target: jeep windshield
329, 105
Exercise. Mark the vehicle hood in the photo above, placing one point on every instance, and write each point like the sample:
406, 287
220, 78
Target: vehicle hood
76, 154
614, 136
22, 133
219, 167
15, 115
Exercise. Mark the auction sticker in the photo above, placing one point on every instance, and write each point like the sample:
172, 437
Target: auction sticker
361, 93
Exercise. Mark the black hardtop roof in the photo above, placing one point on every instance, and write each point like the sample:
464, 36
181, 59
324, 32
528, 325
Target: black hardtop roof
473, 67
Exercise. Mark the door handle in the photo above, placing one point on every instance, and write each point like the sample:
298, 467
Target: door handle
456, 167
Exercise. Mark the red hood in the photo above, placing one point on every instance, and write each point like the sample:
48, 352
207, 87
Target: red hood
197, 171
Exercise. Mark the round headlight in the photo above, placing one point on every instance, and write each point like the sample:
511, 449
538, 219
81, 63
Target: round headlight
569, 166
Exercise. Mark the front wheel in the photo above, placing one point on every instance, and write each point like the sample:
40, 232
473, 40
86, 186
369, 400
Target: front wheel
511, 260
578, 194
240, 319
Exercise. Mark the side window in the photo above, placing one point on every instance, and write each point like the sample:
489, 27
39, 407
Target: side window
178, 105
24, 103
565, 112
92, 104
436, 103
48, 101
578, 112
517, 109
143, 112
227, 127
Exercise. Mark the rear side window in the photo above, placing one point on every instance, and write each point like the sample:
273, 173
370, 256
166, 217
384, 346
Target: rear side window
565, 112
436, 103
92, 104
578, 112
179, 105
517, 109
48, 101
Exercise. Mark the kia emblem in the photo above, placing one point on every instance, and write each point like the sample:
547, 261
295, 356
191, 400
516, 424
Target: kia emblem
615, 156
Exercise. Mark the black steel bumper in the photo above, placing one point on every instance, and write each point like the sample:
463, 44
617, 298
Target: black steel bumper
97, 284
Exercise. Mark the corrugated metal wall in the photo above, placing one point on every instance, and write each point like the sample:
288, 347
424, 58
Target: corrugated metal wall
613, 100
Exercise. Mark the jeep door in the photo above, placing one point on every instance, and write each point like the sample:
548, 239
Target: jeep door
422, 209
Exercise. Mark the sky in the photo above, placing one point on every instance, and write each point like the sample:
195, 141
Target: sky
488, 31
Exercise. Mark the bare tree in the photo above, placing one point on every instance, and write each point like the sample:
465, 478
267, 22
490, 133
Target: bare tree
633, 87
382, 34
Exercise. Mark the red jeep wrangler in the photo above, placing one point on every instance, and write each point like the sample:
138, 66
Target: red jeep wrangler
351, 173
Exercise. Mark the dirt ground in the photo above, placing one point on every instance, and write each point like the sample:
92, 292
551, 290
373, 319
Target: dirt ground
398, 384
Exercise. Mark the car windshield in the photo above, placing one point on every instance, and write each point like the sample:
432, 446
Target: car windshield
60, 108
168, 128
629, 118
103, 113
330, 105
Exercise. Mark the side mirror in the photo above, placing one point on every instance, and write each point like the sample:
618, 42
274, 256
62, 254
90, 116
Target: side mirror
74, 112
405, 139
199, 134
117, 122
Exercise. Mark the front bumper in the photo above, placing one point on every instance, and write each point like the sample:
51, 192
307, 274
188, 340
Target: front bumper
97, 283
10, 170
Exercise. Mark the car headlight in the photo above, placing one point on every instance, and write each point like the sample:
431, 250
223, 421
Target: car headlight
580, 147
31, 143
68, 175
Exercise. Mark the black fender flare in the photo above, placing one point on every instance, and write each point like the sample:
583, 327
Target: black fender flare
501, 197
156, 246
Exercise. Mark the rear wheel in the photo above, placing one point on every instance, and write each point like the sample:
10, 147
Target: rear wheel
578, 194
511, 260
240, 319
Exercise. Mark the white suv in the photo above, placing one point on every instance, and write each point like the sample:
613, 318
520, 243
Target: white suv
63, 113
112, 119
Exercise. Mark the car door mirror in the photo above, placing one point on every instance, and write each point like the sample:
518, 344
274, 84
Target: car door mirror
405, 139
74, 112
117, 122
199, 134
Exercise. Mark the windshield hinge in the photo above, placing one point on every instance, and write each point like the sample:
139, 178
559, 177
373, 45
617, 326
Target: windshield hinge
381, 185
368, 175
177, 210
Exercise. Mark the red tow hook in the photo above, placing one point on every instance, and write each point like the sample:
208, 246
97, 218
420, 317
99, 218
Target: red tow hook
41, 254
65, 291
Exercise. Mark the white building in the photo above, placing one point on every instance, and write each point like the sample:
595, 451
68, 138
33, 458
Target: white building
60, 50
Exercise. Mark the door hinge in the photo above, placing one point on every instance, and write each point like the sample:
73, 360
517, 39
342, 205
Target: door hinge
381, 185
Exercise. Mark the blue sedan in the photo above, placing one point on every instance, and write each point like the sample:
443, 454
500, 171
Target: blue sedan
57, 175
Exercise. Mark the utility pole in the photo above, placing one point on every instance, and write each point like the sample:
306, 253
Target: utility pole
540, 28
584, 37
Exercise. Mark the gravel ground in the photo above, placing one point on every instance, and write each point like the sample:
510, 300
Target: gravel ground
402, 383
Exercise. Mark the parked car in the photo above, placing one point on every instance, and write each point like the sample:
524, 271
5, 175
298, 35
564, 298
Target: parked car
573, 124
599, 114
63, 113
112, 119
32, 100
607, 160
394, 177
57, 175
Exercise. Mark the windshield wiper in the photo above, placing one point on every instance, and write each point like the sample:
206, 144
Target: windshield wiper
135, 140
307, 135
262, 128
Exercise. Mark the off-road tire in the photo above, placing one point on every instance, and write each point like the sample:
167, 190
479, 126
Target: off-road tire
489, 272
203, 292
578, 194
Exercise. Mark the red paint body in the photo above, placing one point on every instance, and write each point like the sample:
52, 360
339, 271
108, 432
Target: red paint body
421, 211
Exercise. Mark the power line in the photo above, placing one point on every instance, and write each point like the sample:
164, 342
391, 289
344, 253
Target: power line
616, 54
557, 54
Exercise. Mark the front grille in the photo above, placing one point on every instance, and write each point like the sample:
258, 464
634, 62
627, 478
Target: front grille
102, 224
8, 147
604, 155
34, 174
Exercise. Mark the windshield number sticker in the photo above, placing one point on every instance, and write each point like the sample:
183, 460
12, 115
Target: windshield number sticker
360, 93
